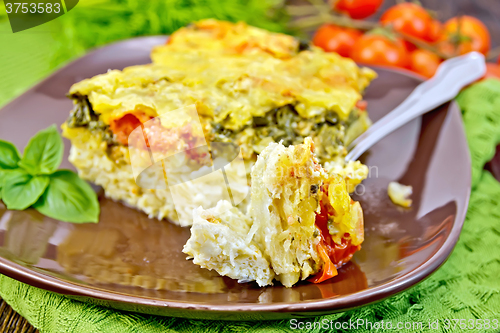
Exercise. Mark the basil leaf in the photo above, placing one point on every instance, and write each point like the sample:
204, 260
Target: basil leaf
21, 190
44, 152
9, 156
69, 198
3, 174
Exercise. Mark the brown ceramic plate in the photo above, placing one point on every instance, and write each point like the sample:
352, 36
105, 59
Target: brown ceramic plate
130, 262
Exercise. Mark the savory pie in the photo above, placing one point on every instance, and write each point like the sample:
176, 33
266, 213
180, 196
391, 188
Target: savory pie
261, 92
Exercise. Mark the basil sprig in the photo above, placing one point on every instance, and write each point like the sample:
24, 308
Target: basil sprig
32, 180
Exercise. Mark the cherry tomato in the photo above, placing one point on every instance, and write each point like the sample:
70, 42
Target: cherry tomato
411, 19
332, 38
357, 9
328, 270
435, 31
472, 36
492, 71
410, 47
424, 62
374, 49
123, 126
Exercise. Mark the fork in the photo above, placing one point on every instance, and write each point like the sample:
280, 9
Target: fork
451, 76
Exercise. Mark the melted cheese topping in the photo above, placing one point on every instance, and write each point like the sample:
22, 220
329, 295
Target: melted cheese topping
232, 72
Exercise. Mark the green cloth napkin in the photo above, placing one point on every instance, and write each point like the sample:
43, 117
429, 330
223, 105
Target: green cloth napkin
466, 287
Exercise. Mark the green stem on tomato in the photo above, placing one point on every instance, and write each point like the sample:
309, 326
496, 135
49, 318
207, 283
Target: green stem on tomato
320, 6
312, 22
296, 10
423, 45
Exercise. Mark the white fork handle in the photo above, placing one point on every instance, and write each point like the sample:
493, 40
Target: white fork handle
451, 76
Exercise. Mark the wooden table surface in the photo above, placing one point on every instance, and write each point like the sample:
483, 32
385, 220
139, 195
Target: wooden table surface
487, 10
12, 322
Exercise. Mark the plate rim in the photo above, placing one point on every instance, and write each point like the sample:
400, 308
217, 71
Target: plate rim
341, 303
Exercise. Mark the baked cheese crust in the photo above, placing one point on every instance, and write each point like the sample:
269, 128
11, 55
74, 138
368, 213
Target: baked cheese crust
232, 72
